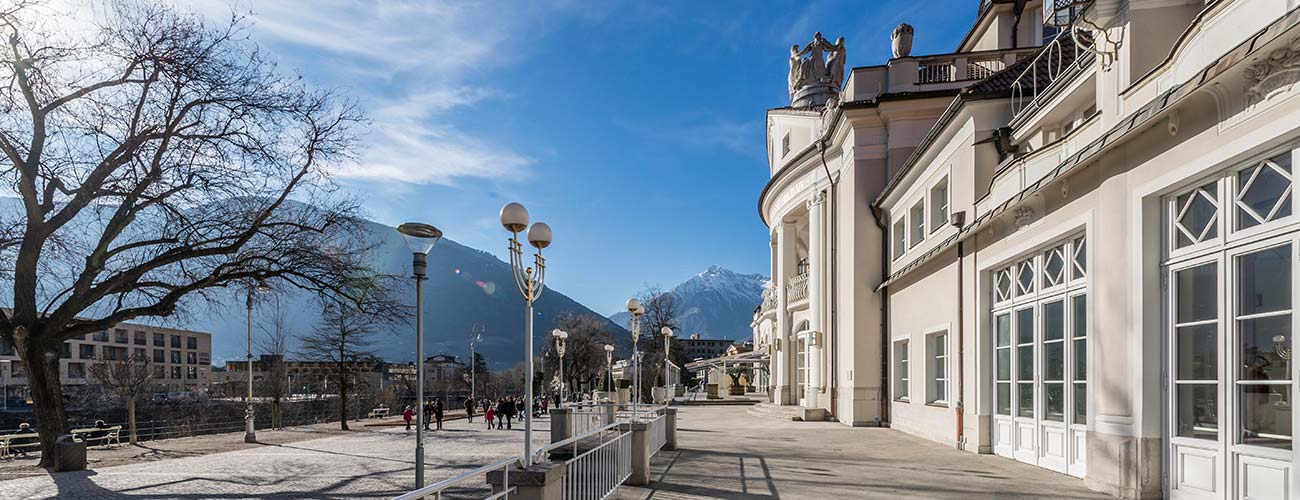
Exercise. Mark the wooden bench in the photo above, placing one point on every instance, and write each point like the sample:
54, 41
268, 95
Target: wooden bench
110, 435
380, 412
7, 447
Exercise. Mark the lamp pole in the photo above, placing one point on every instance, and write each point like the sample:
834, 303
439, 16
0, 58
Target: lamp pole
420, 238
634, 306
250, 434
609, 367
530, 282
668, 335
560, 337
473, 362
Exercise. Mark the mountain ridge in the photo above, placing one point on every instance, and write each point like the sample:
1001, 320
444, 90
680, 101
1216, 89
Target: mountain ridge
717, 303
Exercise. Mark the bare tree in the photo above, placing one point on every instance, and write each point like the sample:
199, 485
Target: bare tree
662, 309
584, 353
346, 331
127, 379
155, 157
275, 342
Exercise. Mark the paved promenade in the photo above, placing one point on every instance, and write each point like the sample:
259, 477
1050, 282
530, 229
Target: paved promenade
726, 453
363, 463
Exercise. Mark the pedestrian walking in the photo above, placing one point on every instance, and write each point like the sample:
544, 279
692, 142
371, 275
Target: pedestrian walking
511, 412
469, 409
437, 414
501, 413
488, 414
408, 415
428, 413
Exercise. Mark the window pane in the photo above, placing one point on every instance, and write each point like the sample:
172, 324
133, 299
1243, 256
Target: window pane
1025, 362
1262, 189
1003, 322
1198, 221
917, 217
1264, 281
1197, 411
1004, 398
1198, 352
1079, 306
1004, 364
1197, 295
1054, 406
1025, 396
1081, 403
1025, 278
1024, 326
1266, 415
1080, 257
1081, 359
1261, 339
1054, 320
1054, 361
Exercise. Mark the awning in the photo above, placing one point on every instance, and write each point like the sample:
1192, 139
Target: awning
747, 358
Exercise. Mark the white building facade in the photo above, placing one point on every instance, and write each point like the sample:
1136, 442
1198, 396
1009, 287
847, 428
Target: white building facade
1070, 243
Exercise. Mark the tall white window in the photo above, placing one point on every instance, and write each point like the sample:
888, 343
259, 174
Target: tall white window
916, 217
900, 371
900, 237
939, 205
937, 343
1232, 243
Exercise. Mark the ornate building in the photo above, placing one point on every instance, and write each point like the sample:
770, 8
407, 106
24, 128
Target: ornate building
1069, 242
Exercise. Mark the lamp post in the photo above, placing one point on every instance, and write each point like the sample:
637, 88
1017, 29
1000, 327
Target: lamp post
560, 337
668, 335
609, 367
634, 306
420, 238
250, 435
530, 282
473, 362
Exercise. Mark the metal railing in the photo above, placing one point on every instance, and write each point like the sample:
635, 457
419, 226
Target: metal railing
472, 484
596, 473
979, 69
935, 72
1055, 59
657, 434
584, 419
148, 430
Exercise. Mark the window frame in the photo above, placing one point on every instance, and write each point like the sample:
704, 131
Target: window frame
935, 208
916, 230
902, 380
938, 354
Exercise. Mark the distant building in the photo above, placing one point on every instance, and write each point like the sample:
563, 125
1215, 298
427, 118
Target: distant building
181, 359
698, 348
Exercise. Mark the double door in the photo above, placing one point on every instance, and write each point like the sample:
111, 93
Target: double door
1231, 373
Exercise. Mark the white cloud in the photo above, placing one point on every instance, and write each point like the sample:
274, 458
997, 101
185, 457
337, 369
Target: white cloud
410, 64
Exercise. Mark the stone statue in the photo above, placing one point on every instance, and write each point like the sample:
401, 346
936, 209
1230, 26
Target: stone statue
901, 40
815, 77
796, 70
835, 63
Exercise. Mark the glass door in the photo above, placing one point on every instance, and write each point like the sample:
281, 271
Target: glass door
1025, 432
1052, 432
1197, 465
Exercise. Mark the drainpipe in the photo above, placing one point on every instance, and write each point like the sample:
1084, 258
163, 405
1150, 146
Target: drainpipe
1018, 9
961, 341
831, 326
879, 217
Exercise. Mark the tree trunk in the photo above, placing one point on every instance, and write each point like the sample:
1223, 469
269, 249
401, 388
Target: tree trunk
343, 402
130, 418
47, 397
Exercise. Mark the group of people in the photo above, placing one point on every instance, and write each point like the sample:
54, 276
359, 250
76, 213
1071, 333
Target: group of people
499, 414
433, 412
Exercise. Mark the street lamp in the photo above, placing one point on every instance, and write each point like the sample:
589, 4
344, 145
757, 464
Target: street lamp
560, 337
420, 238
250, 435
529, 281
609, 366
634, 306
473, 363
668, 335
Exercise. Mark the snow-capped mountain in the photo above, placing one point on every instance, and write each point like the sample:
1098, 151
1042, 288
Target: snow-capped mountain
717, 304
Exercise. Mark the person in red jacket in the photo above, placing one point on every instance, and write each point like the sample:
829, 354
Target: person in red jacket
489, 414
408, 415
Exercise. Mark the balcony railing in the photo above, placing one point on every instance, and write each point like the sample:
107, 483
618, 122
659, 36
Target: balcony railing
1053, 63
796, 288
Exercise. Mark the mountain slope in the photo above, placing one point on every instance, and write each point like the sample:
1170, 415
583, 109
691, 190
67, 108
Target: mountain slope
465, 286
717, 304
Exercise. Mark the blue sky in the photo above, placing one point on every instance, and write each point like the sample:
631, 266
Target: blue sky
634, 129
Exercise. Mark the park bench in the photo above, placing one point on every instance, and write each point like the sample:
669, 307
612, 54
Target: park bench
380, 412
7, 447
109, 437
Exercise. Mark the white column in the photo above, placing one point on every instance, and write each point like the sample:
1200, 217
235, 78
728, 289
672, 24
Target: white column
785, 268
815, 296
